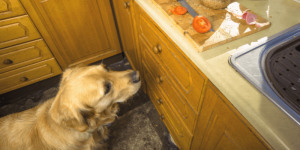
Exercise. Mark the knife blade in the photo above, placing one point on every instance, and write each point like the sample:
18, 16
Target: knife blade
191, 11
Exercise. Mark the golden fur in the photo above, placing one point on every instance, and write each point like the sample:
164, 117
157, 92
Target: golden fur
76, 117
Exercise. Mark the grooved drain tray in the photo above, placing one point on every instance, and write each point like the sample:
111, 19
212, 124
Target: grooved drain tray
273, 67
283, 72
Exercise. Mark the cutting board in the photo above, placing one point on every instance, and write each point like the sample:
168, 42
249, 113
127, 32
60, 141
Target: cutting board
227, 26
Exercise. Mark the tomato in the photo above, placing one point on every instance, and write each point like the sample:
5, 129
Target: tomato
201, 24
179, 10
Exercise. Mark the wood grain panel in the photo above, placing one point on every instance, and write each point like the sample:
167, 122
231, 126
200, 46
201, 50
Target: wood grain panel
27, 75
23, 54
84, 31
221, 125
12, 32
124, 13
17, 30
11, 8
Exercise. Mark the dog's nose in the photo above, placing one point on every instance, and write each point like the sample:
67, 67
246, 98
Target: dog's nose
135, 75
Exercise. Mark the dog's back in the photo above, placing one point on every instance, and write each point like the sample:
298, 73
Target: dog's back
20, 130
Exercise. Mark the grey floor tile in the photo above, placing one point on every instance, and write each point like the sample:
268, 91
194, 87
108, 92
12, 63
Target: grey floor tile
134, 131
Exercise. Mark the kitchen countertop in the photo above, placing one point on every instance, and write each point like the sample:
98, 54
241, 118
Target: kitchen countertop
275, 126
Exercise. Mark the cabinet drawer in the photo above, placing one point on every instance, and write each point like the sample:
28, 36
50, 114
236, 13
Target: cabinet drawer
11, 8
162, 80
26, 75
175, 126
17, 30
189, 80
23, 54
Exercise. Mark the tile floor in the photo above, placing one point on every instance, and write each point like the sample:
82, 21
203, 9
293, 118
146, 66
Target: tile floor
137, 128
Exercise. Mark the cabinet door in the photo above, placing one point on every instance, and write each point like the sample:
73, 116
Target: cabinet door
83, 30
124, 14
221, 126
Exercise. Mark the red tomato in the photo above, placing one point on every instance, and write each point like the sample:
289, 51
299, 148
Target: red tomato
201, 24
179, 10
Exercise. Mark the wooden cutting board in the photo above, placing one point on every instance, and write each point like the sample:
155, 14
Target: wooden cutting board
227, 27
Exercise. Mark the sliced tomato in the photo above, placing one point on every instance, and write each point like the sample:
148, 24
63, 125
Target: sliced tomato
201, 24
179, 10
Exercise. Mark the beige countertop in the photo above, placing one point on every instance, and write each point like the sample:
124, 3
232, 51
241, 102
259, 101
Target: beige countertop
275, 126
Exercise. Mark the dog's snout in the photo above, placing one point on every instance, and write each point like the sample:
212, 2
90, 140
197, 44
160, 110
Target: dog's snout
135, 75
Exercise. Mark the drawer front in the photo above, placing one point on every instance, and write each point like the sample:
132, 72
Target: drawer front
189, 80
30, 74
176, 99
11, 8
181, 135
23, 54
17, 30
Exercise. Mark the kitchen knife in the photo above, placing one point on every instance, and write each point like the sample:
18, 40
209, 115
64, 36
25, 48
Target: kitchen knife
191, 10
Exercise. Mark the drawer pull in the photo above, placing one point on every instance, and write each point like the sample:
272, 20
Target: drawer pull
159, 48
126, 4
159, 101
162, 117
159, 79
7, 61
155, 50
23, 79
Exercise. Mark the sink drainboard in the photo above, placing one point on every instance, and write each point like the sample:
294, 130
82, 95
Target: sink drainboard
270, 67
283, 72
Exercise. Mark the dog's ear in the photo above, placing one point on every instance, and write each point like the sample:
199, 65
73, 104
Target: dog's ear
67, 115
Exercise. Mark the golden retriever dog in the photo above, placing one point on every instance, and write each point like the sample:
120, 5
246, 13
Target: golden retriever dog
76, 118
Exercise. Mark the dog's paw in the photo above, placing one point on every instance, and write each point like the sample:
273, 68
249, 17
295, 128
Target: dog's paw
115, 108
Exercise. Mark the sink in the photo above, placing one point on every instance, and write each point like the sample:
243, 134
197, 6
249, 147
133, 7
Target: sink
252, 64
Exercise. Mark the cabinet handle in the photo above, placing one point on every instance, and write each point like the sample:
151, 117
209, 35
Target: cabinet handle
23, 79
162, 117
159, 48
126, 4
159, 101
159, 79
7, 61
155, 50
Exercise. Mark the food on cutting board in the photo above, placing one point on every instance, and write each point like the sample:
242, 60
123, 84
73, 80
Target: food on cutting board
201, 24
179, 10
249, 17
215, 4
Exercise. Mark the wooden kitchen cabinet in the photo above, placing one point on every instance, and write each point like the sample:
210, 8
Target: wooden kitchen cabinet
24, 56
124, 14
221, 126
197, 115
77, 31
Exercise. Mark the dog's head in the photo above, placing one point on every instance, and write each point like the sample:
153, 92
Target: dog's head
87, 96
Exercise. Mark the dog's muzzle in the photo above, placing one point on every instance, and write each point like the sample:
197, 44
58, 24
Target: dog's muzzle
135, 75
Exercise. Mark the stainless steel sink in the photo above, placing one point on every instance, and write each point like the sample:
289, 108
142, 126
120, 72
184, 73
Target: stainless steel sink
250, 63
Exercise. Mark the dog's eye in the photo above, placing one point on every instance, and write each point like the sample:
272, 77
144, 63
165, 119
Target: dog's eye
107, 87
